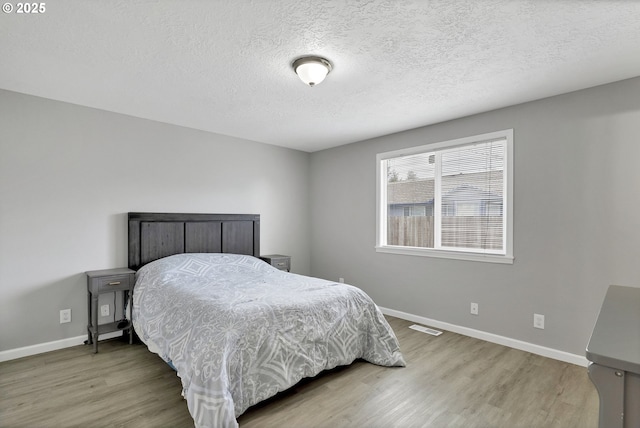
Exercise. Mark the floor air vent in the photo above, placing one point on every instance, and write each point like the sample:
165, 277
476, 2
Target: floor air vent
425, 330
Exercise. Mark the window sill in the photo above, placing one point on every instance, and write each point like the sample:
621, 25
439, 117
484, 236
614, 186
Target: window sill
444, 254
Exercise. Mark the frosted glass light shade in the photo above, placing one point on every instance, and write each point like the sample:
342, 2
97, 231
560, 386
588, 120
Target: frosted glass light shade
312, 70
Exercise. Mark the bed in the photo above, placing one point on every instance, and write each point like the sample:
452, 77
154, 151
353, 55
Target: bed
236, 329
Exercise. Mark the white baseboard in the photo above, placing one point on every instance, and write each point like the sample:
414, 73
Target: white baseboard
493, 338
579, 360
40, 348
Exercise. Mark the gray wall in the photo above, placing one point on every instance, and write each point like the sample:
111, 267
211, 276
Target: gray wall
69, 175
576, 226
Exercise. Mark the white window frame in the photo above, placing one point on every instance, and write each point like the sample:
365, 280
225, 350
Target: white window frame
460, 254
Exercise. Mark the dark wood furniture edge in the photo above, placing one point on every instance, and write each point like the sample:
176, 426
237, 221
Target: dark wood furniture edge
135, 219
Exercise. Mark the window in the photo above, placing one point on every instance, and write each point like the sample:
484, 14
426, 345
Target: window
452, 199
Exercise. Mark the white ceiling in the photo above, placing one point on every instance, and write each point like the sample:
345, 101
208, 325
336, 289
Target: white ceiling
225, 66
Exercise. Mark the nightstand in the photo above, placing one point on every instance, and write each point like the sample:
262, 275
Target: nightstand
108, 281
278, 261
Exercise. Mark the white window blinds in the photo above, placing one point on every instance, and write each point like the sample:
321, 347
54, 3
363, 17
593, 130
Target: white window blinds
472, 197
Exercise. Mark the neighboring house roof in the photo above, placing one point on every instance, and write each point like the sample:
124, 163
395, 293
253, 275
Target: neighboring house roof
422, 191
467, 192
410, 192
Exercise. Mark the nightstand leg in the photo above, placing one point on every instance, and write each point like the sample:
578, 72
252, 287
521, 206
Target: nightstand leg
94, 314
130, 317
89, 338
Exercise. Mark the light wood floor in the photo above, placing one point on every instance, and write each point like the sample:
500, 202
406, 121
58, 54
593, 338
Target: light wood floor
449, 381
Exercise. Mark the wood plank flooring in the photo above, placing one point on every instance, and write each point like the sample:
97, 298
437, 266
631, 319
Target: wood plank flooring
449, 381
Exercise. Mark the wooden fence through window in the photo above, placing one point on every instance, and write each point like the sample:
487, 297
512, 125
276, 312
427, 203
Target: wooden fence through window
462, 231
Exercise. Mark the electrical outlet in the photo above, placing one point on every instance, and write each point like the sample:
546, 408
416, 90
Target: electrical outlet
65, 316
538, 321
104, 310
474, 309
341, 280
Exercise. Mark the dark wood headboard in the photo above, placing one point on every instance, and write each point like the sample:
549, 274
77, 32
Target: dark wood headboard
156, 235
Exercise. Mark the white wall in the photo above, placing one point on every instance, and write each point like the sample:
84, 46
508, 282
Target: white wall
69, 175
576, 226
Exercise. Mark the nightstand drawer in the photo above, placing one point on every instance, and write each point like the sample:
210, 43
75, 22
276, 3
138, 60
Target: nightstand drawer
109, 280
278, 261
282, 264
112, 283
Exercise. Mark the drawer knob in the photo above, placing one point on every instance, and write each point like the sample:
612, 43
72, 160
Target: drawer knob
114, 283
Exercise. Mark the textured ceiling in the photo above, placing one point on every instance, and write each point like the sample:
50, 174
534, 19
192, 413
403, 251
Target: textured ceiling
224, 66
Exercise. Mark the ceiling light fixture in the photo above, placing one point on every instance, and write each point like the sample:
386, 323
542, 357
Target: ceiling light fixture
312, 69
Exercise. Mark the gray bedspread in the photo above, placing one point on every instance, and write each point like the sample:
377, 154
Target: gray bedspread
238, 330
